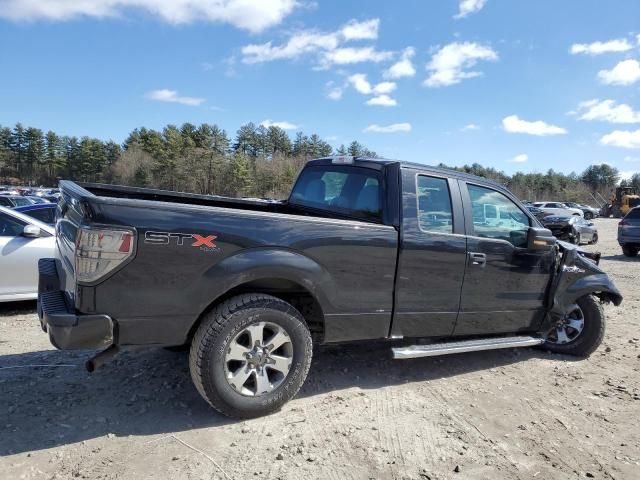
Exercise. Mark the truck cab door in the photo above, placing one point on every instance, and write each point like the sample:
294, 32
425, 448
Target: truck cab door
505, 283
432, 256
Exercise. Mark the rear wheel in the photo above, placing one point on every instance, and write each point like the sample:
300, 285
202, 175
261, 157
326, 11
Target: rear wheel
250, 355
580, 331
629, 251
588, 215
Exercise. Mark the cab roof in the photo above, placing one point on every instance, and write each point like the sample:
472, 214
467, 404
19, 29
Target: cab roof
379, 163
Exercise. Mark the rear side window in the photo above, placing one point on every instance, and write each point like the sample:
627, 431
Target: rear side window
45, 215
434, 205
350, 191
22, 202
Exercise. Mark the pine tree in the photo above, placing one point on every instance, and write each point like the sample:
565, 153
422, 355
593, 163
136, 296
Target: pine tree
355, 149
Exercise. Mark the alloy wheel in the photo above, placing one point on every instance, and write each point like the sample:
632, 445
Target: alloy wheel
258, 359
568, 328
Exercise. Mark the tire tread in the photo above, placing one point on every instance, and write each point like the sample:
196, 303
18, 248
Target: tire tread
211, 328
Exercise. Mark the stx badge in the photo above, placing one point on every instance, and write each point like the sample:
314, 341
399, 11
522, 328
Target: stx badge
203, 242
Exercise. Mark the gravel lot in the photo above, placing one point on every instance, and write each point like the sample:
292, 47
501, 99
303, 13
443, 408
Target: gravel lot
502, 414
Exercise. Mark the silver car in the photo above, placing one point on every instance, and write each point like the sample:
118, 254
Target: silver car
23, 241
629, 233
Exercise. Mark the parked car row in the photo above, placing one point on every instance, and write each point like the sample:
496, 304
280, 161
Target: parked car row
37, 203
36, 195
573, 229
563, 208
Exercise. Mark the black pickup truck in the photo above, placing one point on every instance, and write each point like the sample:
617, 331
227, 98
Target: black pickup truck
433, 260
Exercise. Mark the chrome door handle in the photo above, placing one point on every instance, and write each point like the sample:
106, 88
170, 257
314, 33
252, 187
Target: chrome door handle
479, 259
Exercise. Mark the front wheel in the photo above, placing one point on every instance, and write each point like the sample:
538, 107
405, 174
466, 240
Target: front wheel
580, 331
594, 239
576, 238
250, 355
588, 215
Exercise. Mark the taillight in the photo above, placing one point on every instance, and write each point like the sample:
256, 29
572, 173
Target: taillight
100, 251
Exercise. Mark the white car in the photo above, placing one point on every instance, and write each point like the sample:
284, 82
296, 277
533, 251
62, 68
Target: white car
23, 241
558, 208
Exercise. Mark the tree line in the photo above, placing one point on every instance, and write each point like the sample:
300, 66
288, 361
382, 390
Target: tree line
257, 161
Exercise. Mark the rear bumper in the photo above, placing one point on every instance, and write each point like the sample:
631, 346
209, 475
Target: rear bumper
67, 329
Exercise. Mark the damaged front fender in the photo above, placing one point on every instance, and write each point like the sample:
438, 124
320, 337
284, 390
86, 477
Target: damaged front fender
577, 274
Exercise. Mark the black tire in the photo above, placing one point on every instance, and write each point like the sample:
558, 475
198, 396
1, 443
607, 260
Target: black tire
588, 215
576, 238
592, 334
219, 327
629, 251
178, 348
594, 240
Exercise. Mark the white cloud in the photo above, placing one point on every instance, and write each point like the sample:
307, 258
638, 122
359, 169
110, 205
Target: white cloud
451, 64
626, 175
367, 30
284, 125
596, 48
334, 92
522, 158
624, 73
622, 138
513, 124
360, 83
312, 42
384, 87
297, 45
403, 67
244, 14
607, 111
349, 55
631, 159
467, 7
383, 101
165, 95
470, 126
393, 128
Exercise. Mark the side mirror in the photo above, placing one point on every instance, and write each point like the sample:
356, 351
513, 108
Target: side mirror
540, 239
31, 231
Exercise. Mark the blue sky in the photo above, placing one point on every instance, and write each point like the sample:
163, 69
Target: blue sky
513, 84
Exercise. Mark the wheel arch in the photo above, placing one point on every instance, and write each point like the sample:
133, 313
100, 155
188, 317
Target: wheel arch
285, 274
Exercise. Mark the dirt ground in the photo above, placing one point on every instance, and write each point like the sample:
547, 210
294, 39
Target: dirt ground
513, 414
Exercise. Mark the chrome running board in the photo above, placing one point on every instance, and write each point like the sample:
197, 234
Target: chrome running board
446, 348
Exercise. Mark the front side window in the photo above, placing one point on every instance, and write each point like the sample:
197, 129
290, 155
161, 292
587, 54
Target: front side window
434, 205
349, 191
9, 226
496, 216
